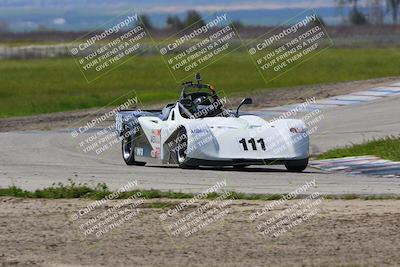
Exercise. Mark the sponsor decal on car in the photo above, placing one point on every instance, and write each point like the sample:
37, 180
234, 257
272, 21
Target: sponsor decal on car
155, 153
139, 151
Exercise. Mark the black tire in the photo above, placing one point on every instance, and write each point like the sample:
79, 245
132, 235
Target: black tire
240, 167
128, 150
181, 148
296, 165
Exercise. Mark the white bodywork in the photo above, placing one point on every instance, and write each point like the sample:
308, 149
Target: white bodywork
221, 139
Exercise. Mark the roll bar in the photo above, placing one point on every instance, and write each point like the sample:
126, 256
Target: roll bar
191, 85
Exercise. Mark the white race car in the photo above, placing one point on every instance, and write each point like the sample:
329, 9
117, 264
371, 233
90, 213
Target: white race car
198, 130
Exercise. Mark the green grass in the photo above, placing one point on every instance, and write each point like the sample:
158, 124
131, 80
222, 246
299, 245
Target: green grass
39, 86
74, 190
386, 148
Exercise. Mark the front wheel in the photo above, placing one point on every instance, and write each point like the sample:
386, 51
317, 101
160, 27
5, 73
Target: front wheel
128, 150
181, 150
296, 165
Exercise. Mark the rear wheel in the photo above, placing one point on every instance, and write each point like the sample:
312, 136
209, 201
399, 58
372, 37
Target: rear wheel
128, 150
296, 165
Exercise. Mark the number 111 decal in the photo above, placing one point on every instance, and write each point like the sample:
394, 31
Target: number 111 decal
253, 143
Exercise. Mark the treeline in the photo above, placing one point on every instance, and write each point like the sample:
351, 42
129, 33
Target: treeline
369, 11
373, 12
192, 18
174, 22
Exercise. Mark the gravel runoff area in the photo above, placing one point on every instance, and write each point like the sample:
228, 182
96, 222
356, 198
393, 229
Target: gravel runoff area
261, 98
39, 232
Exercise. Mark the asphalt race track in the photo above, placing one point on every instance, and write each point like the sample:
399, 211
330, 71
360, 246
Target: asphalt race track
36, 159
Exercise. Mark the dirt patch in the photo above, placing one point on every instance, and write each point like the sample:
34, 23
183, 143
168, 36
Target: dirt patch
262, 99
343, 233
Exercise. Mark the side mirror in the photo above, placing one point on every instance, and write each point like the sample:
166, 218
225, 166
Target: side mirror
246, 101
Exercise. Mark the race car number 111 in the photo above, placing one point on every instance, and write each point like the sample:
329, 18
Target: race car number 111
253, 143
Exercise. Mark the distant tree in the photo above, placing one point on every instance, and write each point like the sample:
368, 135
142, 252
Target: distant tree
376, 11
194, 19
357, 18
174, 22
393, 7
354, 3
343, 3
3, 26
144, 20
355, 15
